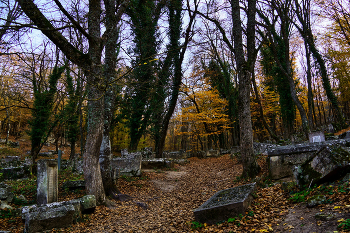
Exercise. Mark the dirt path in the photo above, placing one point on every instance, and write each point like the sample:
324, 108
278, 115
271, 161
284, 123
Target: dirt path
164, 201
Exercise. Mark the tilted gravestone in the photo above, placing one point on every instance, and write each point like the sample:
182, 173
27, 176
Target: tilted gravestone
225, 204
316, 137
47, 181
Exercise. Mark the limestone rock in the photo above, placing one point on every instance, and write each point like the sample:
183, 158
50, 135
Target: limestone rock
328, 164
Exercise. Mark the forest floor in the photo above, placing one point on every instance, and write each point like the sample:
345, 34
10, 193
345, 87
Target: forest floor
164, 200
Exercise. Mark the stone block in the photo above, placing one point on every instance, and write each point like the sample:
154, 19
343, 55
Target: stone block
4, 191
212, 153
316, 137
225, 204
327, 165
47, 181
157, 163
49, 216
13, 173
74, 184
129, 165
344, 135
87, 202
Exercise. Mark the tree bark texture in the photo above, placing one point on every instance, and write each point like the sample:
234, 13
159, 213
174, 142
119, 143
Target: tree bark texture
250, 166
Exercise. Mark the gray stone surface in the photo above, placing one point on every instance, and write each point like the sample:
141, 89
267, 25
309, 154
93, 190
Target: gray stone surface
157, 163
13, 173
345, 135
327, 216
129, 165
328, 164
57, 214
212, 153
282, 160
47, 181
4, 191
316, 200
46, 217
225, 204
316, 137
74, 184
87, 202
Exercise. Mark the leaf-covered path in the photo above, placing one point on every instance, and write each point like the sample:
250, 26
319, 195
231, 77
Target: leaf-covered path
163, 201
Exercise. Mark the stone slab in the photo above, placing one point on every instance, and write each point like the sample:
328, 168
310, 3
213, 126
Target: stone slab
46, 217
225, 204
47, 181
158, 163
282, 160
129, 165
316, 137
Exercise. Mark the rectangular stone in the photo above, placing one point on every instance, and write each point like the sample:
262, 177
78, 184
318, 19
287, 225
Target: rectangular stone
225, 204
129, 165
316, 137
47, 181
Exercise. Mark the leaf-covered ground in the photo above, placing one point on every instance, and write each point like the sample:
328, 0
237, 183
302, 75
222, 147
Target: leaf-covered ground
163, 201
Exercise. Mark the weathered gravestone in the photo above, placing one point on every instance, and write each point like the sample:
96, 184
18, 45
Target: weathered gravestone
127, 165
316, 137
47, 181
328, 164
225, 204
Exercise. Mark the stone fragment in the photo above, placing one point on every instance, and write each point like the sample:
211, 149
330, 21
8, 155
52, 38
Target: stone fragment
225, 204
46, 217
129, 165
328, 164
87, 202
4, 191
316, 137
316, 200
74, 184
325, 216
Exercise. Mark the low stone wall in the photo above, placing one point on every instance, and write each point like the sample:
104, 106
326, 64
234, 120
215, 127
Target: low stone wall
128, 165
282, 160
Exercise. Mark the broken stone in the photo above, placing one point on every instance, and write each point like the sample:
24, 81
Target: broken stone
327, 165
158, 163
13, 173
212, 153
4, 205
87, 203
316, 200
225, 204
46, 217
4, 191
325, 216
74, 184
129, 165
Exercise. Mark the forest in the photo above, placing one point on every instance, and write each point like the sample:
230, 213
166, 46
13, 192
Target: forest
187, 75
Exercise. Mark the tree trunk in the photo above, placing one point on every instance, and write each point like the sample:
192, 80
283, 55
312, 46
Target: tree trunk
250, 166
92, 172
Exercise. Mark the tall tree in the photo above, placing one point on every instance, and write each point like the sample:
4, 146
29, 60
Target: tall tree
245, 63
306, 32
91, 63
